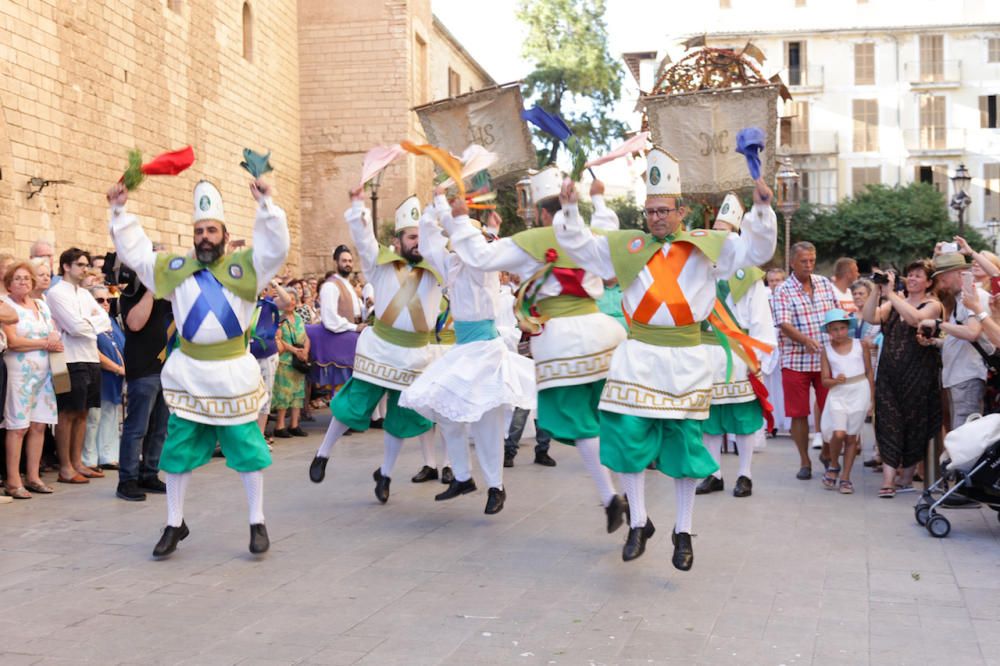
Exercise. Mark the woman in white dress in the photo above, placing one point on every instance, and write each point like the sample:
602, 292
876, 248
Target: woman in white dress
31, 400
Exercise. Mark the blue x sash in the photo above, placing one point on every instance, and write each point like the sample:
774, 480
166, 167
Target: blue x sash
211, 299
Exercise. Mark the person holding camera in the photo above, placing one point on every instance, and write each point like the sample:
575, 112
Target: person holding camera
906, 385
290, 378
963, 368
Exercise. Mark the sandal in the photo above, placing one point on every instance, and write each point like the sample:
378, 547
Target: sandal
886, 492
846, 488
830, 482
90, 473
39, 488
17, 493
825, 462
905, 489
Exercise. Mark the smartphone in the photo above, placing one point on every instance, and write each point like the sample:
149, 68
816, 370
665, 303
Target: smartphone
967, 281
949, 247
995, 285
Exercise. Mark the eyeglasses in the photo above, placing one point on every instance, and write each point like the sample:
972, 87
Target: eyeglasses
102, 300
661, 212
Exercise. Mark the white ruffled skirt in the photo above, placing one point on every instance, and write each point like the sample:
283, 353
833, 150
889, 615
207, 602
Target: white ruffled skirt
470, 380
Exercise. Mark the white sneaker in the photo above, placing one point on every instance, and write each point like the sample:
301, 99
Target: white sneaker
817, 440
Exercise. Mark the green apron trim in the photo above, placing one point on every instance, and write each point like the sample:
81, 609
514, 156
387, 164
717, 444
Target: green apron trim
666, 336
566, 306
216, 351
632, 249
399, 337
540, 240
387, 256
234, 270
742, 280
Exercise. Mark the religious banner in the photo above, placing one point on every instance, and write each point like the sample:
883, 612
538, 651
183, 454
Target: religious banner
490, 118
700, 128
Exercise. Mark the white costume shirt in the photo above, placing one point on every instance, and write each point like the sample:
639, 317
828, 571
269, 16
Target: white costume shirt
226, 392
570, 350
79, 318
752, 312
329, 299
654, 381
378, 361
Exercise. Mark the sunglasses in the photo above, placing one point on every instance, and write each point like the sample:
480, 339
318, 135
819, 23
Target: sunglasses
102, 300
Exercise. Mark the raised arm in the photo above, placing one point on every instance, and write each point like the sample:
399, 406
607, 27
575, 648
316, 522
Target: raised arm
590, 252
603, 218
270, 235
432, 244
359, 223
754, 246
134, 248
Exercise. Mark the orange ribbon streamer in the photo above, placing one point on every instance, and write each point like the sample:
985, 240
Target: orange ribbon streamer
448, 162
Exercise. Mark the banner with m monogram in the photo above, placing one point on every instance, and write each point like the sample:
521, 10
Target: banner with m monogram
699, 129
490, 117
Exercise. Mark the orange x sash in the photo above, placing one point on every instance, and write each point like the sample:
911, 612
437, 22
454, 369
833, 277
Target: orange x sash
665, 290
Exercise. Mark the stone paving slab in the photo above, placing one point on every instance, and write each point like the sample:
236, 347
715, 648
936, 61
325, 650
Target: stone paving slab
794, 575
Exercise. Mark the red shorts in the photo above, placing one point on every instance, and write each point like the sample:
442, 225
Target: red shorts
796, 384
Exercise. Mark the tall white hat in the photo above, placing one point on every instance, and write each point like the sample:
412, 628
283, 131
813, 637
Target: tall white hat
208, 203
408, 213
546, 183
663, 174
731, 211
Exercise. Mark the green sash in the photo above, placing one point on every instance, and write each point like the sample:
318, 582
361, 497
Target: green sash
234, 270
666, 336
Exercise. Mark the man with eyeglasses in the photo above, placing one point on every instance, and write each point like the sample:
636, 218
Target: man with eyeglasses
659, 385
80, 320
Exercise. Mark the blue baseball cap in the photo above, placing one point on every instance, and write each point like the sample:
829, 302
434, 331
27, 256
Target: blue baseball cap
835, 314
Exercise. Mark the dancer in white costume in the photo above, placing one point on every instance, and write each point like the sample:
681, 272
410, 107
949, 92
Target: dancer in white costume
477, 379
736, 410
573, 349
395, 349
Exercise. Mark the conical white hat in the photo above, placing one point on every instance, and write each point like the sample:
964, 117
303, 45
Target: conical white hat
731, 211
408, 213
208, 203
546, 183
663, 174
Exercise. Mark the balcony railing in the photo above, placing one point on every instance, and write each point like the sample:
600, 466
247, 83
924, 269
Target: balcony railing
935, 139
933, 73
808, 77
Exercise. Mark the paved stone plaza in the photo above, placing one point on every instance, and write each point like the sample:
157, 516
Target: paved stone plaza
794, 575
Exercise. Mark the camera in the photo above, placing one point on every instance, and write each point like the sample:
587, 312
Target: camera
116, 273
879, 278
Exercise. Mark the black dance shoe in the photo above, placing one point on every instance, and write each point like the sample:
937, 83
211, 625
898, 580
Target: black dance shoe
456, 488
494, 503
317, 469
709, 485
635, 544
683, 552
381, 485
744, 487
171, 537
426, 473
616, 510
447, 476
259, 543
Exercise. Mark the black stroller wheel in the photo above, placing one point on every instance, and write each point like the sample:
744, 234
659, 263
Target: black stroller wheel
921, 513
938, 526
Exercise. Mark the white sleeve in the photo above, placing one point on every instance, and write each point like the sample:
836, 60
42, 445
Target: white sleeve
433, 245
753, 247
134, 248
761, 322
590, 252
359, 223
603, 218
329, 298
500, 255
66, 314
270, 241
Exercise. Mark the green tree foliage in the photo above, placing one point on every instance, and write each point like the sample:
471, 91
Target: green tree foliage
886, 225
575, 76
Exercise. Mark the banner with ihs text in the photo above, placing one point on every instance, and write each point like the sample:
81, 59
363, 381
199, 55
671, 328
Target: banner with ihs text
491, 118
699, 130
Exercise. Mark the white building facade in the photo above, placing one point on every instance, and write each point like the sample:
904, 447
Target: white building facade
884, 91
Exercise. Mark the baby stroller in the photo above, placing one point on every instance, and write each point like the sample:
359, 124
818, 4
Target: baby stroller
970, 470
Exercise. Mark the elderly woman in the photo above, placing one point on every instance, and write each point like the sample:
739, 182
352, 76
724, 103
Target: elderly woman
43, 276
908, 383
31, 401
290, 383
100, 446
